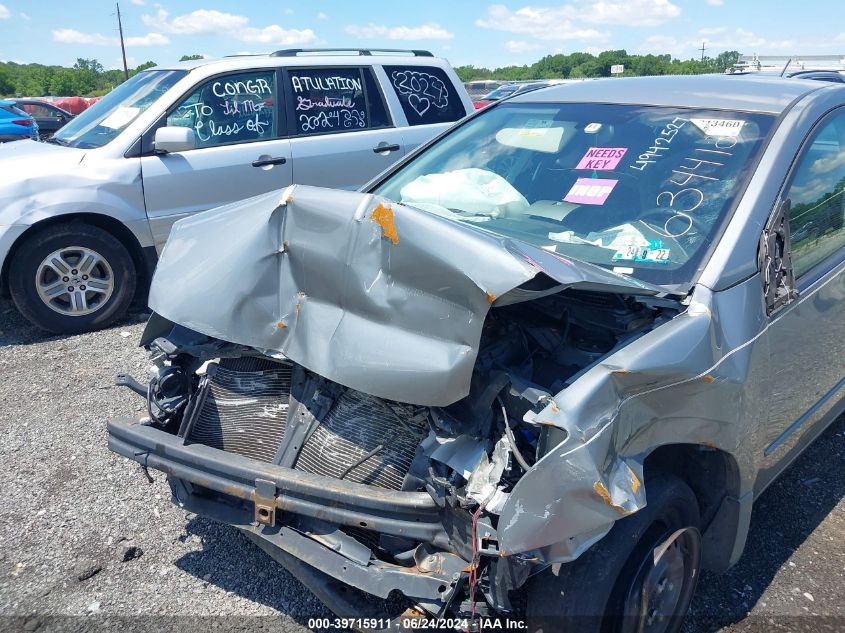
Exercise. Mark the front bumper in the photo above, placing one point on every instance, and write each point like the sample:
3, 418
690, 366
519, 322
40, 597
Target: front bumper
228, 488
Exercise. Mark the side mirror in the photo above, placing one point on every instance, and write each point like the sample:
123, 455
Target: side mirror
174, 139
774, 260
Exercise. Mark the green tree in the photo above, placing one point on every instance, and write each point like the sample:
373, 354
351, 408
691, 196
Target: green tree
141, 67
6, 85
726, 60
65, 82
86, 73
33, 80
188, 58
470, 73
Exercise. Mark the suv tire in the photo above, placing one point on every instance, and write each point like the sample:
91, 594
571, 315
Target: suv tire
602, 590
72, 278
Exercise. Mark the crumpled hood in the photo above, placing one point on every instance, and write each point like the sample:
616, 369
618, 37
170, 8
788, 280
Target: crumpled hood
380, 297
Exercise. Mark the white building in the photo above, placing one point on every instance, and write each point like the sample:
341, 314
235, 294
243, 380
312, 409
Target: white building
796, 62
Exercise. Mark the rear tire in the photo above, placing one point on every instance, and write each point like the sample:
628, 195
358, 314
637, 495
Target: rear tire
613, 586
72, 278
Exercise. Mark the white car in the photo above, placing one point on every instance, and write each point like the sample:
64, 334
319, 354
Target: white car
84, 215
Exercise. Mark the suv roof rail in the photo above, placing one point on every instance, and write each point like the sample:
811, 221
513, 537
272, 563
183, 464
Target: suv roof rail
293, 52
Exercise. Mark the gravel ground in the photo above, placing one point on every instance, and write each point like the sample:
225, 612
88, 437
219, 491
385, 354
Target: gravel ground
71, 513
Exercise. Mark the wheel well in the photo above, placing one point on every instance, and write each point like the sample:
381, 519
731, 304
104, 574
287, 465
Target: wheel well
713, 476
113, 226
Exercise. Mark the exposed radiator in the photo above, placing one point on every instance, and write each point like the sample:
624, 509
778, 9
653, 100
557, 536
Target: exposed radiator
246, 408
355, 426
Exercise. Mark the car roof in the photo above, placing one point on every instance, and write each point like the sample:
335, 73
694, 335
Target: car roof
719, 92
310, 57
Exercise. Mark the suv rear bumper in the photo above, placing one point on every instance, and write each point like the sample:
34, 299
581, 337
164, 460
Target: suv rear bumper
235, 482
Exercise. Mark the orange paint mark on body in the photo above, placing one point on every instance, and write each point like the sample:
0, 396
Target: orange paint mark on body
635, 481
384, 217
600, 488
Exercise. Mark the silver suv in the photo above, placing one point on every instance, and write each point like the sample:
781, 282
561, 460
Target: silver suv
84, 215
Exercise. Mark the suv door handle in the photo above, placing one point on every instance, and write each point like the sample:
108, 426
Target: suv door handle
385, 147
278, 160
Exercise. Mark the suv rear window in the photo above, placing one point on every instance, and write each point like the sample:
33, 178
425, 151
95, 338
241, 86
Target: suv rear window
327, 100
426, 94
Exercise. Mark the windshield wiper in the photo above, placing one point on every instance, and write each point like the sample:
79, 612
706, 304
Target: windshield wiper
57, 141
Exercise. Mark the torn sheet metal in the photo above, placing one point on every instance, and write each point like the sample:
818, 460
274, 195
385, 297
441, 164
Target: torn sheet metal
685, 382
380, 297
462, 453
484, 480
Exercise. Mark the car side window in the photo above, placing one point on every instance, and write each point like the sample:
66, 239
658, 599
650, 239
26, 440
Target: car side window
230, 109
37, 110
327, 100
817, 196
426, 94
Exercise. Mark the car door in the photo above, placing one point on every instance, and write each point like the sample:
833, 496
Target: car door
241, 149
807, 330
341, 133
429, 101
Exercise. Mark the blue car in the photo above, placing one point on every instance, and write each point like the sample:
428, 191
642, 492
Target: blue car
16, 124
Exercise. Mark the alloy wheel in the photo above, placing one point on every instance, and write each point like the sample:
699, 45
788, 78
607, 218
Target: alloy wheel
74, 281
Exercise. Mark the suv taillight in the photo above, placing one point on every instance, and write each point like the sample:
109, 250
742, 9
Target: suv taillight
22, 121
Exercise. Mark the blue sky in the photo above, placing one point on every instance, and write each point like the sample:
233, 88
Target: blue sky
466, 32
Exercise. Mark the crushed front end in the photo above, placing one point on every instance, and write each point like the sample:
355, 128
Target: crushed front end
378, 480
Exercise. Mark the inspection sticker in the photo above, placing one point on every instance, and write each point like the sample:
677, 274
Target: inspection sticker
590, 191
653, 253
602, 158
719, 127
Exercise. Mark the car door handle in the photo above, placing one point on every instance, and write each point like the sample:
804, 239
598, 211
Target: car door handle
386, 147
261, 162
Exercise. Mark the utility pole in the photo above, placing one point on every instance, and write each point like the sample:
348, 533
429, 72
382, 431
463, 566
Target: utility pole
702, 50
123, 48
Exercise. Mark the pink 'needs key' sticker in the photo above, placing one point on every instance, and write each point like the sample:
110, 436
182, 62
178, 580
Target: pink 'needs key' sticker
590, 191
602, 158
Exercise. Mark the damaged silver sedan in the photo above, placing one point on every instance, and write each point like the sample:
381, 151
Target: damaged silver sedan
555, 355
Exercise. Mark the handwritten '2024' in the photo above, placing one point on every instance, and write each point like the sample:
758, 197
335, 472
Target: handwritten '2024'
422, 90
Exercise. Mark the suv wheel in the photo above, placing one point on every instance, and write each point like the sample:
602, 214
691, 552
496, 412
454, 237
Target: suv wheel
640, 577
72, 278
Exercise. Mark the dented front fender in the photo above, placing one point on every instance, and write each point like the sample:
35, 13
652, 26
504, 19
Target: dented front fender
689, 381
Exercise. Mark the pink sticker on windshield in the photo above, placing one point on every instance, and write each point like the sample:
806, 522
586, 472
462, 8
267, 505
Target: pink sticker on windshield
602, 158
590, 191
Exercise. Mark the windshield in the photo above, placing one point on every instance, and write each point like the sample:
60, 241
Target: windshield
104, 120
642, 190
